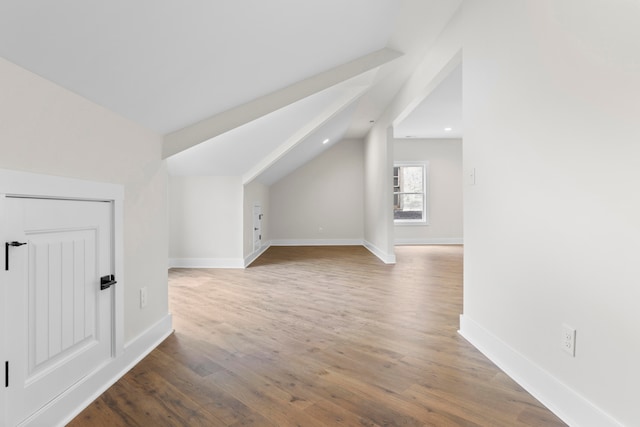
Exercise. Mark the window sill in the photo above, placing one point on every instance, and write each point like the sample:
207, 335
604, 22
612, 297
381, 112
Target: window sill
409, 222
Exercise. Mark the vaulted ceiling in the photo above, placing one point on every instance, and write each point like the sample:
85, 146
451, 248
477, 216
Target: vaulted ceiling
242, 87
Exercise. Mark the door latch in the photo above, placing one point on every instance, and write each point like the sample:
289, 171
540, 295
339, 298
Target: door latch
107, 281
7, 245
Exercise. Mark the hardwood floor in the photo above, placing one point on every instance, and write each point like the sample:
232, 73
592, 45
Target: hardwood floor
319, 336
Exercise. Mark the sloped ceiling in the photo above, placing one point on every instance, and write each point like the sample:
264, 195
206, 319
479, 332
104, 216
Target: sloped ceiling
439, 115
169, 65
261, 137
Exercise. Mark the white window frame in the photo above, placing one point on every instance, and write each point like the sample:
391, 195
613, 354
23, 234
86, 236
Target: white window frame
425, 201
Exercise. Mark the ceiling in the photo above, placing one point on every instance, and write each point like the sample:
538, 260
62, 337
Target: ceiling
439, 115
170, 65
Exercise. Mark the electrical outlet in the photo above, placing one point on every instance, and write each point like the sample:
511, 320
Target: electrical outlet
471, 176
143, 297
569, 340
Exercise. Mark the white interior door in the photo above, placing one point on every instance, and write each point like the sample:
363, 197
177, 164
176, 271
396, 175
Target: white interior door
58, 321
257, 227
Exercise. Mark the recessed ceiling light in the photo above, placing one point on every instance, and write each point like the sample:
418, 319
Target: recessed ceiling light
325, 141
448, 129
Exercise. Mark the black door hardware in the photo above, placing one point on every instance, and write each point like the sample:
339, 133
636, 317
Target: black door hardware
6, 252
107, 281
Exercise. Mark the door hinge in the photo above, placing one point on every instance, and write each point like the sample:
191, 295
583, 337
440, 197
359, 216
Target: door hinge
6, 374
7, 245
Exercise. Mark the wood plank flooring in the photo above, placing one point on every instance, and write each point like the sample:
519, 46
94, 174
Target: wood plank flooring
318, 336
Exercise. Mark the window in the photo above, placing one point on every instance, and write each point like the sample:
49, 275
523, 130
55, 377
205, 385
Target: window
409, 193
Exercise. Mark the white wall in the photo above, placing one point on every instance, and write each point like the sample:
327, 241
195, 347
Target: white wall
255, 192
437, 64
551, 95
551, 107
326, 193
205, 221
444, 190
47, 129
378, 192
211, 220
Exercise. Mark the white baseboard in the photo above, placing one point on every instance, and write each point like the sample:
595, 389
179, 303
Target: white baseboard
431, 241
384, 257
317, 242
65, 407
568, 405
249, 259
206, 263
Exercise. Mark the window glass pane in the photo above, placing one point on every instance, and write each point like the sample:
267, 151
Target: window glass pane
409, 206
411, 179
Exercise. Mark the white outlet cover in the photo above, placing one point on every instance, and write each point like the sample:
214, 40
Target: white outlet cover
471, 176
143, 297
568, 342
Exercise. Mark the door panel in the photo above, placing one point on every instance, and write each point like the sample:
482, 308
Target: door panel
257, 227
61, 321
57, 323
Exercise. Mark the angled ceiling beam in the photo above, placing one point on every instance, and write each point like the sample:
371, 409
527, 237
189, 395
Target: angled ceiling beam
323, 117
211, 127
